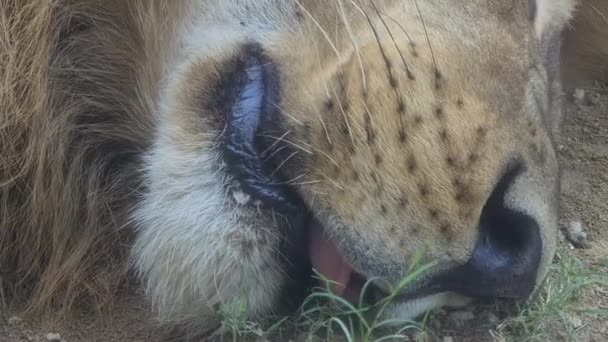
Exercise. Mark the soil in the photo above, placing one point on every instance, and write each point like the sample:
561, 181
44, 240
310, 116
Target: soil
583, 150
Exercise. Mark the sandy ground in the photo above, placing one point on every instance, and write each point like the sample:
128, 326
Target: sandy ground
583, 149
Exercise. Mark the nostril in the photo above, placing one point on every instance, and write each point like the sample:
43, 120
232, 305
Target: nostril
508, 241
509, 244
507, 253
503, 240
505, 236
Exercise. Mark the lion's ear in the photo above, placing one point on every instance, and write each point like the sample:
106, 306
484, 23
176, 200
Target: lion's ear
552, 13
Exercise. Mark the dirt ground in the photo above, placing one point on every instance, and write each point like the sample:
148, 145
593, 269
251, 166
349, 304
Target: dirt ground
583, 150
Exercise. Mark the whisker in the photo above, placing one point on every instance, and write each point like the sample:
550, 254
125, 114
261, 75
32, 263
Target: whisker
275, 143
307, 182
319, 151
332, 182
350, 131
407, 35
301, 148
292, 181
428, 41
318, 112
318, 25
600, 13
320, 63
319, 193
382, 52
283, 163
287, 114
391, 76
371, 121
390, 33
274, 152
357, 7
355, 45
288, 142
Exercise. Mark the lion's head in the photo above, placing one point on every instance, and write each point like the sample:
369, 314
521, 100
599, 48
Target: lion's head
347, 136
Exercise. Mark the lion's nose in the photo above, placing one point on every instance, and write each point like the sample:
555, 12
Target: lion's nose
507, 253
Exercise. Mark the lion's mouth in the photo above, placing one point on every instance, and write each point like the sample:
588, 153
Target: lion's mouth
326, 259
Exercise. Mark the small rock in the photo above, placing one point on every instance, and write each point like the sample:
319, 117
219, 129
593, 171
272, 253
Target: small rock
491, 318
576, 234
593, 99
53, 337
436, 324
14, 320
578, 95
447, 339
461, 316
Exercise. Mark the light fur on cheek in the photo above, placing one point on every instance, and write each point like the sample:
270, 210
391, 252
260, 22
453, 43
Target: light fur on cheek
197, 246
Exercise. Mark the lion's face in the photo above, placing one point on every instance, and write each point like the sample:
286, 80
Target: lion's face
349, 136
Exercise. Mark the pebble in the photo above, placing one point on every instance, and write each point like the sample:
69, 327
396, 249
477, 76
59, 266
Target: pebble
436, 324
576, 234
491, 318
53, 337
593, 99
14, 320
462, 316
579, 95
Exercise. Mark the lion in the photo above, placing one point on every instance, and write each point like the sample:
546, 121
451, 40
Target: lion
230, 150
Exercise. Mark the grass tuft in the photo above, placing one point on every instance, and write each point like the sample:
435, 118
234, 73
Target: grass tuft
556, 313
327, 316
558, 310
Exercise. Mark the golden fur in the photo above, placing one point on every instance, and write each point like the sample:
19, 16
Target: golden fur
63, 116
102, 132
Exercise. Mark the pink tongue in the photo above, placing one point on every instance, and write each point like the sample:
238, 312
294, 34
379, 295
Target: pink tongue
327, 261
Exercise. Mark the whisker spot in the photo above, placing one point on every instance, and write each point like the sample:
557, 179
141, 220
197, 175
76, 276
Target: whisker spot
378, 159
444, 135
402, 136
450, 161
400, 107
412, 164
424, 190
439, 112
